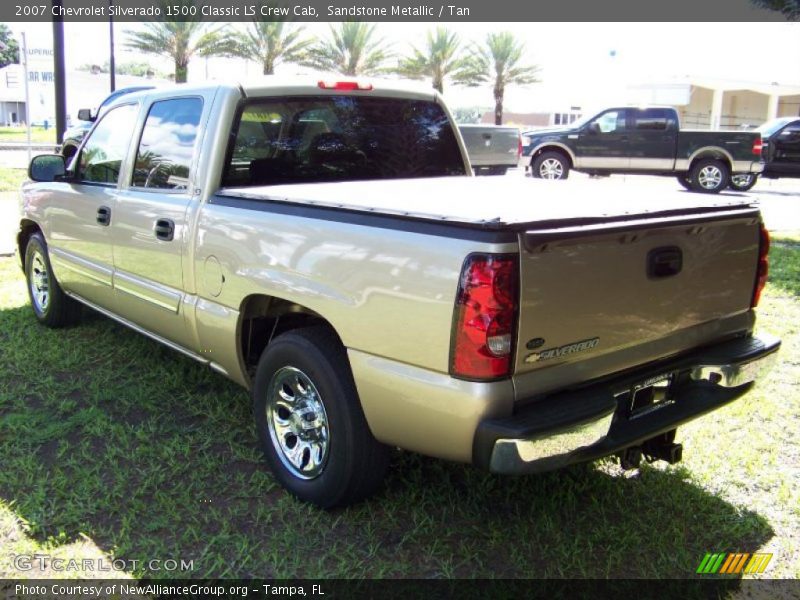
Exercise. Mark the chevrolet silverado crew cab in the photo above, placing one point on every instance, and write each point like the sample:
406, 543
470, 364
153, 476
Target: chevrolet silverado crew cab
646, 141
326, 247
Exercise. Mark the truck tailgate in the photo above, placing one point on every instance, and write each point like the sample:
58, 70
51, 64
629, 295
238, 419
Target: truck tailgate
609, 293
491, 146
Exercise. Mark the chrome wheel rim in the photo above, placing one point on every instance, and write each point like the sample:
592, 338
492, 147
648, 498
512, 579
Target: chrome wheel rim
742, 180
39, 282
551, 168
298, 423
709, 177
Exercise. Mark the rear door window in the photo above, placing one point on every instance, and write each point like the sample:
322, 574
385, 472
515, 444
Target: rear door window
652, 119
166, 149
332, 138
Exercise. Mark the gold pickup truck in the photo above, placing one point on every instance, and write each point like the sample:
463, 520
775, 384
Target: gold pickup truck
326, 247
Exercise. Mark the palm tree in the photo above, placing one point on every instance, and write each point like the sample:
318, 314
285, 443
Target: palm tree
501, 60
181, 41
351, 50
272, 42
437, 61
788, 8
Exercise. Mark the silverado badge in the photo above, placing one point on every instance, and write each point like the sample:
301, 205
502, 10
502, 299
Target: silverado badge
564, 350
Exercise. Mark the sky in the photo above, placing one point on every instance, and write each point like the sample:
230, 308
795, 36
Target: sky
580, 62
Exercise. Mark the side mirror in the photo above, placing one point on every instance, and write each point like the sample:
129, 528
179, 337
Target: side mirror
47, 167
85, 114
594, 128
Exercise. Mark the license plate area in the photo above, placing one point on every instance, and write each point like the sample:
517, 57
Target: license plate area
646, 396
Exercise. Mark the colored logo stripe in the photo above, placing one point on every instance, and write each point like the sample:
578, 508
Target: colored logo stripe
733, 563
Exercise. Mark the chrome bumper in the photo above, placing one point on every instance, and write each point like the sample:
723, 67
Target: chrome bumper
734, 375
509, 453
709, 381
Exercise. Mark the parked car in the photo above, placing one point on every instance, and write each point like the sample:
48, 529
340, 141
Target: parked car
781, 139
646, 141
492, 149
86, 117
303, 240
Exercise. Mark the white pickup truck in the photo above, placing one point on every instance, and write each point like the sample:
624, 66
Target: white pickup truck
492, 149
325, 246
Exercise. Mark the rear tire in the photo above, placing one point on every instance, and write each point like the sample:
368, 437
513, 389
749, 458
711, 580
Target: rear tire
310, 422
51, 306
709, 176
743, 182
550, 165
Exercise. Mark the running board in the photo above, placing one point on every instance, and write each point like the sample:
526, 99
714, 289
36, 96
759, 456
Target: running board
155, 337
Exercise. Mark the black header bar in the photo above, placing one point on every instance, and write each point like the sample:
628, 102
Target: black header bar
405, 11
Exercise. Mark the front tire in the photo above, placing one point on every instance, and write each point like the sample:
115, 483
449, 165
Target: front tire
685, 182
550, 165
709, 176
310, 422
51, 305
743, 182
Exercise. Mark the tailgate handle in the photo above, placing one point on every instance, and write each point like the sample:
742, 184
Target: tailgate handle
664, 262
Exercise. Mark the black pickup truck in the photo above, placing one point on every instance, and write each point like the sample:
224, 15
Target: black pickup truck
781, 152
646, 141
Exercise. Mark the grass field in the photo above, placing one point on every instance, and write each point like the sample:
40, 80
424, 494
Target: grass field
12, 179
112, 446
19, 134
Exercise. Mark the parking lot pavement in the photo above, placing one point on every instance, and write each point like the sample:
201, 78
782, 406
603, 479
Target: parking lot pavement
779, 199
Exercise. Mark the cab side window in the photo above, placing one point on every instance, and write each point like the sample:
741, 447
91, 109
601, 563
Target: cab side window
166, 149
653, 119
612, 121
105, 150
791, 133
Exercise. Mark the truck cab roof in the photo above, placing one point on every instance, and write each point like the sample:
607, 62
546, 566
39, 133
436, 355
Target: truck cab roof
295, 86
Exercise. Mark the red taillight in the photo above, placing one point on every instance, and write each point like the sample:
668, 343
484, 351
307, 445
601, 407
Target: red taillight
485, 318
758, 145
519, 147
345, 85
763, 266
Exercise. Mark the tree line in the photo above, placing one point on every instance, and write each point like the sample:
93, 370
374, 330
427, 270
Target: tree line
351, 48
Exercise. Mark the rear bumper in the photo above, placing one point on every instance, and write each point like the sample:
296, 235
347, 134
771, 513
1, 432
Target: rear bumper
597, 421
747, 166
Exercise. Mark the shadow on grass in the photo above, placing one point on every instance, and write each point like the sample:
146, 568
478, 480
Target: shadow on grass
106, 434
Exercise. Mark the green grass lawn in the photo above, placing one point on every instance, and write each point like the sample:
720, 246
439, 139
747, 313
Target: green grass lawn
11, 179
19, 134
113, 446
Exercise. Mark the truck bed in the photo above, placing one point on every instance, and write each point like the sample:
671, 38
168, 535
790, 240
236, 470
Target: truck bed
489, 203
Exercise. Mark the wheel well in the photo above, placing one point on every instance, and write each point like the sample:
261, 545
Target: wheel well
556, 149
26, 229
263, 318
713, 155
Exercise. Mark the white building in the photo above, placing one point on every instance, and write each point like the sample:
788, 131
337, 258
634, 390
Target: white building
84, 89
721, 104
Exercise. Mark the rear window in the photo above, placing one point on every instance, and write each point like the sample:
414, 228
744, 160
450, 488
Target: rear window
654, 119
340, 138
